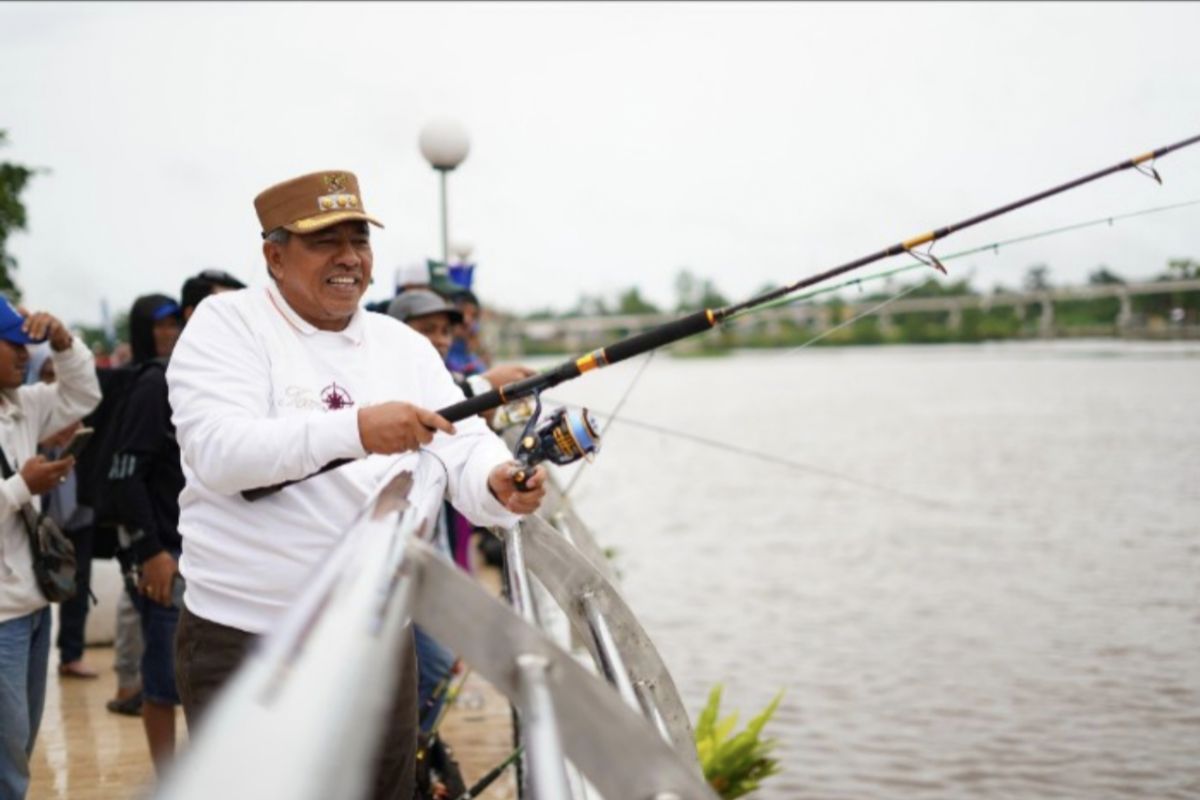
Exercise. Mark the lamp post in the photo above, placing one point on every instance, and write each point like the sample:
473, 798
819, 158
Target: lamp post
444, 145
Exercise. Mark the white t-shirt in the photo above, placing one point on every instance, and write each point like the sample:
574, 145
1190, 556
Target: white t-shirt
259, 396
29, 414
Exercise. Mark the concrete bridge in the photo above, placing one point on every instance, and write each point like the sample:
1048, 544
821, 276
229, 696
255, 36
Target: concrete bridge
576, 334
1043, 300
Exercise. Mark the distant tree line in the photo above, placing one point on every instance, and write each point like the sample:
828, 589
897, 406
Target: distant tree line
693, 292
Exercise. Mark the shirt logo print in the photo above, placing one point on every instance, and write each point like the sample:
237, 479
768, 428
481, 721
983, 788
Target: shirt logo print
335, 397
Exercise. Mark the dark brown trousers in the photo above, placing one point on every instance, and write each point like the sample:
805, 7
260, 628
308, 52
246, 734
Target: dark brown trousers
207, 654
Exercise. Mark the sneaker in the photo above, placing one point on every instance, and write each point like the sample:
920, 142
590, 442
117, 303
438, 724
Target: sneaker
131, 706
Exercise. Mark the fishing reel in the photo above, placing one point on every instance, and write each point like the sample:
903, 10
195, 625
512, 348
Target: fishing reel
564, 437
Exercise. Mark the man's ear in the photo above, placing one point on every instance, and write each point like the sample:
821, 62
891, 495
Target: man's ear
272, 254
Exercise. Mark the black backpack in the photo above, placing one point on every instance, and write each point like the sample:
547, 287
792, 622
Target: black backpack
95, 462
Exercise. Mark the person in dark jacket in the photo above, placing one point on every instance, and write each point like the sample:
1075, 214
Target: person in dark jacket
146, 480
201, 285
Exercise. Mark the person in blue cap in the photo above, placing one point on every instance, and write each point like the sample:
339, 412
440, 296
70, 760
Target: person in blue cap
146, 479
62, 505
28, 414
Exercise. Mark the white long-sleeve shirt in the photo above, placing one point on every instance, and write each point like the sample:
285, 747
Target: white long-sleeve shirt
258, 397
29, 414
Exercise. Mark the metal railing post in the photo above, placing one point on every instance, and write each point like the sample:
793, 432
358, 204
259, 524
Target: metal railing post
517, 576
610, 662
645, 697
621, 650
547, 774
520, 597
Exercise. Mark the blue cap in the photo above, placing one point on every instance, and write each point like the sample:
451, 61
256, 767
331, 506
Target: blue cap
167, 309
10, 325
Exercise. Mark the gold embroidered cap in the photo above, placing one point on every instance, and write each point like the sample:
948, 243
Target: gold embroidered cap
312, 202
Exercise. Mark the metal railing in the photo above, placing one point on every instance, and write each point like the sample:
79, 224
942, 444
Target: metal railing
273, 732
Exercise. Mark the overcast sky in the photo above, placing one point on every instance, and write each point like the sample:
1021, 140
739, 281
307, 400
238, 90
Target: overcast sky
611, 144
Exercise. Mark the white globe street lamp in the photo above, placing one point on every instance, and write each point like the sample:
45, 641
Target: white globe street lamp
445, 145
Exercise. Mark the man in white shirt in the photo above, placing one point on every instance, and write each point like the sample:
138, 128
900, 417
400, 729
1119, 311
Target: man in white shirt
269, 385
29, 414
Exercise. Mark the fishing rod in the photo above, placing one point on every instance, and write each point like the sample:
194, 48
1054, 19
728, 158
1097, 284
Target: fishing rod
993, 246
705, 319
491, 776
614, 416
445, 689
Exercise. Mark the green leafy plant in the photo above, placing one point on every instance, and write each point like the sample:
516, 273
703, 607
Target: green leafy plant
734, 764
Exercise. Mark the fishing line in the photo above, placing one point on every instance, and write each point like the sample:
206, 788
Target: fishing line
768, 458
620, 404
854, 319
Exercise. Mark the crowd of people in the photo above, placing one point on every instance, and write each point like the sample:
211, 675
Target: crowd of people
219, 391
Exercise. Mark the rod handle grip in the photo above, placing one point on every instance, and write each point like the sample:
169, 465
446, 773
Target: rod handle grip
657, 337
509, 392
472, 406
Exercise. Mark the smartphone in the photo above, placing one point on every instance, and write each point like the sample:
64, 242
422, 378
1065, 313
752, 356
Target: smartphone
78, 441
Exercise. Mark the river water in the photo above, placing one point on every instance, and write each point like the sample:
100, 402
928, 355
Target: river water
981, 580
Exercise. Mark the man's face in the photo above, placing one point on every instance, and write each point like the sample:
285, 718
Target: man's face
436, 328
470, 313
323, 275
13, 360
166, 333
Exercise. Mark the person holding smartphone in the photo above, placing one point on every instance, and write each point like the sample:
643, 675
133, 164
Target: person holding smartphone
28, 414
75, 520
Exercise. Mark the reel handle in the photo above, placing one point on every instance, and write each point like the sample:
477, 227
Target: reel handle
521, 476
528, 457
